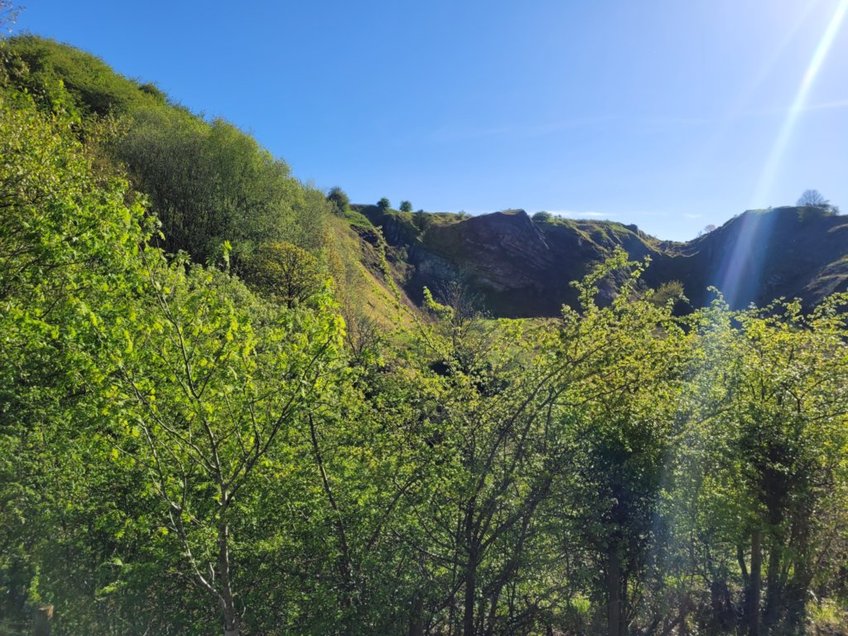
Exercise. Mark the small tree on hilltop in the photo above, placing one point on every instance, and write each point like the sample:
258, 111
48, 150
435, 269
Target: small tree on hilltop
384, 204
339, 200
812, 198
422, 220
405, 206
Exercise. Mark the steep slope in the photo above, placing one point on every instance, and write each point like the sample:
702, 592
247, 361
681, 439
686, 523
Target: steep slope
760, 255
214, 189
510, 264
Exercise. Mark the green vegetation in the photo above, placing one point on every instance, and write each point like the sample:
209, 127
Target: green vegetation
207, 182
61, 77
339, 200
218, 413
210, 182
285, 273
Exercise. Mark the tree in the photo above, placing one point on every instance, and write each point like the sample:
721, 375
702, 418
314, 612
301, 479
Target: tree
707, 229
384, 204
523, 410
789, 406
286, 273
68, 244
209, 387
422, 220
812, 198
491, 455
621, 424
209, 183
339, 200
755, 478
405, 206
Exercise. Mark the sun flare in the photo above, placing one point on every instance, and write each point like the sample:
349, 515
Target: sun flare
772, 165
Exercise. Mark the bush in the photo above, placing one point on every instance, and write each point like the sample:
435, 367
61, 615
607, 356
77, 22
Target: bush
339, 200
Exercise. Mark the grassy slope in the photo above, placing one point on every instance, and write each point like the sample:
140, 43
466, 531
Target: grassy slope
365, 281
63, 78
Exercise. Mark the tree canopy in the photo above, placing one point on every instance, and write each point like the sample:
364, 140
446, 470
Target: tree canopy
812, 198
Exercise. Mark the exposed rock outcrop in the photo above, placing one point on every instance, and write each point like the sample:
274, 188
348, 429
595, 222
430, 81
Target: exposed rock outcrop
523, 267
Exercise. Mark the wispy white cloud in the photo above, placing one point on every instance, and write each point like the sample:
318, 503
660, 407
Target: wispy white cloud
452, 133
671, 122
839, 104
690, 215
583, 214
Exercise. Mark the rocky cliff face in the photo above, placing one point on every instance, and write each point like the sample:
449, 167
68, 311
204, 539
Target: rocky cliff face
518, 266
503, 251
791, 252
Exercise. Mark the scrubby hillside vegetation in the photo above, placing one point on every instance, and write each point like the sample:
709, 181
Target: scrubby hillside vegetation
219, 413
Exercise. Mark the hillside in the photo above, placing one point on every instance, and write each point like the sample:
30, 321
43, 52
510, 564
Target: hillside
760, 255
209, 183
518, 266
216, 192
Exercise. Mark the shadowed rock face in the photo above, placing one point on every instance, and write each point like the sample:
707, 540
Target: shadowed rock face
756, 257
502, 251
521, 267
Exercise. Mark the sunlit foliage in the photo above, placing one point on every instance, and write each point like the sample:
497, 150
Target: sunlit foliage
193, 440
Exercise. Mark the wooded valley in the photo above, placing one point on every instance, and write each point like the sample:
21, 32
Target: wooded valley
220, 412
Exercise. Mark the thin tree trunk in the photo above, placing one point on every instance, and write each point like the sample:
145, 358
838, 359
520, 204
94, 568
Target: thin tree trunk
774, 586
795, 591
42, 618
232, 626
614, 600
752, 600
470, 593
416, 615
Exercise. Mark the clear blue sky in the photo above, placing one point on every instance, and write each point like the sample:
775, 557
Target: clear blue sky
672, 114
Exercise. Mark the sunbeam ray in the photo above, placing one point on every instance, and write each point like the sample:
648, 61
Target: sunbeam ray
740, 270
778, 150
